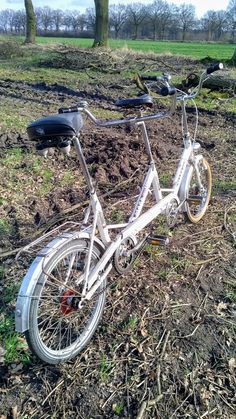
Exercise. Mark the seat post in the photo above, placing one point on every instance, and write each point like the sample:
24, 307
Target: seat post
146, 139
83, 164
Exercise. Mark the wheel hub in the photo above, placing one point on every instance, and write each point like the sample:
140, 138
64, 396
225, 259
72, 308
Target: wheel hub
67, 302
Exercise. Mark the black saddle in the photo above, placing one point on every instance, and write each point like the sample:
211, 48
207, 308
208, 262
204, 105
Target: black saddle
61, 125
144, 100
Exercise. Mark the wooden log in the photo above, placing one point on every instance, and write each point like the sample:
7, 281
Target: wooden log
218, 83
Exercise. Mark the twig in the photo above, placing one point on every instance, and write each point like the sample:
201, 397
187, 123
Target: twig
146, 404
226, 402
10, 252
113, 394
53, 391
190, 335
164, 345
162, 336
159, 379
208, 413
176, 410
226, 224
203, 262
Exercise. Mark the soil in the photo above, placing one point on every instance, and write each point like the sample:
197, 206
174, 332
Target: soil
166, 345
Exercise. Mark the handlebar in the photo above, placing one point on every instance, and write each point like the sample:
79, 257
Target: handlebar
168, 90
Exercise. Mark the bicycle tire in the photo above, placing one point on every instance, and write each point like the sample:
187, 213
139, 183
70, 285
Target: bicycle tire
54, 333
195, 212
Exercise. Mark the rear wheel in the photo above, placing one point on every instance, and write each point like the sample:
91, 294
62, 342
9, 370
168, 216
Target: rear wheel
199, 191
59, 328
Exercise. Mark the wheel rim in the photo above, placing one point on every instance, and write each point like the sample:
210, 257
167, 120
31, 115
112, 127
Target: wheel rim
63, 328
198, 197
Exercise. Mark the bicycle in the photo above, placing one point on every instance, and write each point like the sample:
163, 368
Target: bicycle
62, 296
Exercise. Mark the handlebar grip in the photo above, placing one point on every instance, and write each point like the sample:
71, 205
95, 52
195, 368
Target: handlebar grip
215, 67
167, 91
151, 78
68, 110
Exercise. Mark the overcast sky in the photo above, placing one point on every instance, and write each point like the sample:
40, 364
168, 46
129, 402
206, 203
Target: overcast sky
201, 6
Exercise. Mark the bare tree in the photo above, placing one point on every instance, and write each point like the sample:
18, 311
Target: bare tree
30, 22
57, 19
137, 13
74, 17
117, 15
221, 23
101, 23
45, 18
209, 23
231, 19
90, 18
6, 18
186, 16
19, 21
159, 15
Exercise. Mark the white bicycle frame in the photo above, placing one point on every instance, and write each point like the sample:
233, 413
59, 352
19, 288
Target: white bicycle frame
94, 275
138, 220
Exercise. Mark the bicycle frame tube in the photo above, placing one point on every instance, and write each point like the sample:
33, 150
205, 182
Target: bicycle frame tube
137, 220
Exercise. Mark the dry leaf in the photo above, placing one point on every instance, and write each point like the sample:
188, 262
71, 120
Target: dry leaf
221, 308
232, 364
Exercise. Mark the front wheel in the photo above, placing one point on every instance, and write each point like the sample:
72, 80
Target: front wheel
199, 187
58, 327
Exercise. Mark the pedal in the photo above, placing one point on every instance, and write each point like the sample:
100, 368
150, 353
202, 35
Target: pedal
194, 199
158, 240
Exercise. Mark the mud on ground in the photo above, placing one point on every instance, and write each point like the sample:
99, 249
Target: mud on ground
166, 345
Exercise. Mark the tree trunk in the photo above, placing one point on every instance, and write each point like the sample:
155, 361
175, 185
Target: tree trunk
30, 23
101, 24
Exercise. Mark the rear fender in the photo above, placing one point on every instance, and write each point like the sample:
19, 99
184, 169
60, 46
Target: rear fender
29, 281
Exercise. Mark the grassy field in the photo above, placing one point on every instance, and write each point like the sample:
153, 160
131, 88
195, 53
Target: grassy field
192, 49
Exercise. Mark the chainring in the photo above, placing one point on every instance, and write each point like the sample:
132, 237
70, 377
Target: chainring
123, 258
172, 211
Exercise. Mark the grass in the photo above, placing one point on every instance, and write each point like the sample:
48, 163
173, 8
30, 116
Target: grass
231, 295
14, 346
105, 368
117, 216
5, 228
131, 323
224, 185
219, 51
118, 408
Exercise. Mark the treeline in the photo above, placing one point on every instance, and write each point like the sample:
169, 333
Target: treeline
158, 20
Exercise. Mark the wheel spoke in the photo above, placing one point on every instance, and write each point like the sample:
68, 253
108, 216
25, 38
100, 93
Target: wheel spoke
59, 325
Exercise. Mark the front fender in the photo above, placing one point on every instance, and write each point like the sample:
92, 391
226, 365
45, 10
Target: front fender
34, 272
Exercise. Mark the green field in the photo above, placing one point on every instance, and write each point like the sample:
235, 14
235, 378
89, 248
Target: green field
192, 49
